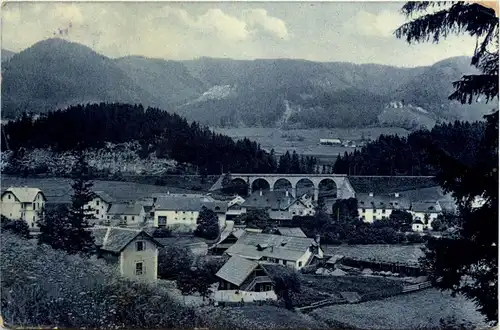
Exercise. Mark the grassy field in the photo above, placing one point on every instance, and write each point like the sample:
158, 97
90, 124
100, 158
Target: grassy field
420, 309
359, 284
387, 253
59, 189
306, 141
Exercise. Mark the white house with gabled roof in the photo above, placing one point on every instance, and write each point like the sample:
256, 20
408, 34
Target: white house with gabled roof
23, 203
100, 204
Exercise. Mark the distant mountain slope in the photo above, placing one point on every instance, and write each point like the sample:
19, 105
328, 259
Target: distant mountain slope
222, 92
169, 81
55, 73
431, 88
6, 54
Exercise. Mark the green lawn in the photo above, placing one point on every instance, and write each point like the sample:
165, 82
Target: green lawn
409, 311
359, 284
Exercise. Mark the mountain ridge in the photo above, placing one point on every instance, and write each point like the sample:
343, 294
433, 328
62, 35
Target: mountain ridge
55, 73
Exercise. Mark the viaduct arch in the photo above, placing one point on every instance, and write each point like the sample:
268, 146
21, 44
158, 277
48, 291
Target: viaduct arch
343, 187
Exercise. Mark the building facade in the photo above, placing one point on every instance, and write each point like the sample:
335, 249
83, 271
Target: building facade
23, 203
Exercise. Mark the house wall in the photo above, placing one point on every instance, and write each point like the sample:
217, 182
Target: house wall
370, 215
222, 219
15, 210
421, 215
417, 227
187, 218
99, 208
302, 261
149, 258
300, 210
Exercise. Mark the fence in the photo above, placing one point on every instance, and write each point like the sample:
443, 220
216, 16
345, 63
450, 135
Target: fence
367, 297
245, 296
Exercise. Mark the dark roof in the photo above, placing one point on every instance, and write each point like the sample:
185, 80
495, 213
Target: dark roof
291, 232
189, 203
178, 203
275, 200
132, 209
417, 222
384, 201
389, 184
426, 207
276, 246
116, 239
236, 270
104, 196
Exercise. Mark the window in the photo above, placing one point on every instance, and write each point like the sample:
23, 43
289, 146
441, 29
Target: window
96, 211
138, 268
97, 203
300, 263
162, 221
139, 246
108, 217
8, 196
125, 218
133, 218
383, 211
363, 210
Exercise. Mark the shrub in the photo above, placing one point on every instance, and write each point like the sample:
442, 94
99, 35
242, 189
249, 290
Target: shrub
45, 287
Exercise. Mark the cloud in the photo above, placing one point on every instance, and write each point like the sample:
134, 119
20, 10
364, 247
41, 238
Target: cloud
381, 24
213, 21
259, 19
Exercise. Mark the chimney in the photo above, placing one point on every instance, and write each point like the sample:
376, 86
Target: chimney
370, 194
396, 195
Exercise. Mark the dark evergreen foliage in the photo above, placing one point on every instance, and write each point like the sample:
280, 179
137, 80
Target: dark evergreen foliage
394, 155
467, 262
18, 227
67, 228
208, 224
169, 135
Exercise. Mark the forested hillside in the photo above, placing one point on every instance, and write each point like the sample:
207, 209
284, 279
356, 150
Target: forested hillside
412, 155
158, 133
284, 93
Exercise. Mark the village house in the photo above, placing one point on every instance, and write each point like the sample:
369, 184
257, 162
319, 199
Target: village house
182, 211
426, 212
23, 203
290, 232
234, 207
417, 225
100, 205
245, 275
293, 252
135, 251
373, 207
126, 214
281, 206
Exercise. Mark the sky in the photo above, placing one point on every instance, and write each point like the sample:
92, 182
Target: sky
358, 32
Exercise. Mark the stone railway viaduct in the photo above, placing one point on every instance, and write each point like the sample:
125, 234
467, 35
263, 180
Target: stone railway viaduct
343, 187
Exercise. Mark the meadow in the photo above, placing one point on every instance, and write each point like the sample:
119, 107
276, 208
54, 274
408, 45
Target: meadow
59, 189
410, 311
306, 141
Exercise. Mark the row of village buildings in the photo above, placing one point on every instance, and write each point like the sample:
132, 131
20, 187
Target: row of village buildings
123, 231
180, 211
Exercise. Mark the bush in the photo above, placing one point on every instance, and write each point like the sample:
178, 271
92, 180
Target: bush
44, 287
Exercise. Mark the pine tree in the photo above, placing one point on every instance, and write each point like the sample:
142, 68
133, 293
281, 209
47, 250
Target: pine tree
80, 239
473, 253
208, 224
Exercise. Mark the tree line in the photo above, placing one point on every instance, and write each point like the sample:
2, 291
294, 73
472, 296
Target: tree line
412, 155
168, 135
